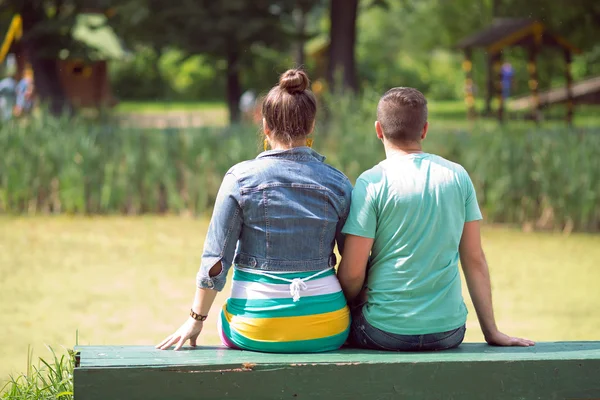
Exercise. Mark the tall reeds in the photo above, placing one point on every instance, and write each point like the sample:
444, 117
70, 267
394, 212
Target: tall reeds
547, 178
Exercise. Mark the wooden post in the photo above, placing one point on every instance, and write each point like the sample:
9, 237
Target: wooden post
498, 81
469, 98
538, 35
21, 60
489, 84
569, 83
533, 82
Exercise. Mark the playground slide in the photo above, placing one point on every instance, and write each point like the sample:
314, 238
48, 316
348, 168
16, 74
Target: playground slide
584, 92
15, 31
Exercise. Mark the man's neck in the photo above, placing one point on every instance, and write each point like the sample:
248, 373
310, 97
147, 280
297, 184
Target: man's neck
392, 149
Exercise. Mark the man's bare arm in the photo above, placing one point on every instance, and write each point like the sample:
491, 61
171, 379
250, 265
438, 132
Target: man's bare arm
352, 269
477, 275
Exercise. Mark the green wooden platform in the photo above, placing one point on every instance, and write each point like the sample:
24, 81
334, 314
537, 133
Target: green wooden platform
564, 370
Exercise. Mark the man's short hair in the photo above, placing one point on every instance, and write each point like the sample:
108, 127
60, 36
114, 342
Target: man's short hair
402, 113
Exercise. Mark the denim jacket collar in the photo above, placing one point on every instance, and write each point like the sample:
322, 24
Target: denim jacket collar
296, 153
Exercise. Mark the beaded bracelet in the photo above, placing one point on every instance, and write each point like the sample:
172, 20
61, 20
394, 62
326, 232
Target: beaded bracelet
198, 317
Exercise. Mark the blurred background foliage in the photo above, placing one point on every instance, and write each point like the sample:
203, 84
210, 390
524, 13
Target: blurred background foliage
411, 42
206, 50
208, 53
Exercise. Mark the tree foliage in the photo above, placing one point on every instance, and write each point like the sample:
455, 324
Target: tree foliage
397, 42
233, 31
413, 42
240, 43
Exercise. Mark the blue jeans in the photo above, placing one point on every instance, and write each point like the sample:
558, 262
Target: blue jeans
366, 336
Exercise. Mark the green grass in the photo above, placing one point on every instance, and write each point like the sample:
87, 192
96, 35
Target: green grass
120, 280
49, 380
161, 106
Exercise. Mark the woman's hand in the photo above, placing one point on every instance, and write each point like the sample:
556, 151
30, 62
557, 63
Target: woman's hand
189, 330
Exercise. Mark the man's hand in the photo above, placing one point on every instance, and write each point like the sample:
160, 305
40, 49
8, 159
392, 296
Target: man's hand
189, 330
500, 339
360, 300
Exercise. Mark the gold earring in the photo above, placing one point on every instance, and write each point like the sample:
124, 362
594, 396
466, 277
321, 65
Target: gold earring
309, 142
266, 144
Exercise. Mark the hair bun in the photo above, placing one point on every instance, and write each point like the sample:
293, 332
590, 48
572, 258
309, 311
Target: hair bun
294, 81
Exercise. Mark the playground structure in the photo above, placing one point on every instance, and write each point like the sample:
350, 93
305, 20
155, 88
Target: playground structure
14, 34
583, 92
533, 36
84, 80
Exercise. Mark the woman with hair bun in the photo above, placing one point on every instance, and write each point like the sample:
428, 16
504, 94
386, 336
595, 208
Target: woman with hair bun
276, 219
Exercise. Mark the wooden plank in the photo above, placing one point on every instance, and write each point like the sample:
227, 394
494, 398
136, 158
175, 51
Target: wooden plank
449, 380
147, 356
558, 95
563, 370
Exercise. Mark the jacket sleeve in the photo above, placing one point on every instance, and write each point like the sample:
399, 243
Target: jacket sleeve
339, 236
223, 234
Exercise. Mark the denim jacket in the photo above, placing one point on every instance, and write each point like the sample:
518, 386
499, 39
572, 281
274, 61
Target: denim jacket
282, 211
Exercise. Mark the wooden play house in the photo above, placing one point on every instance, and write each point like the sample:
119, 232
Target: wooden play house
84, 79
516, 32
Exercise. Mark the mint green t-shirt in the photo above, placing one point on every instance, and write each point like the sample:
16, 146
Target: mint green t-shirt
414, 207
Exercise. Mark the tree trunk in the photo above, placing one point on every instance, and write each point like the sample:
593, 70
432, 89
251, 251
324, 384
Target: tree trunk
342, 41
158, 52
234, 89
45, 70
495, 8
300, 20
48, 87
495, 11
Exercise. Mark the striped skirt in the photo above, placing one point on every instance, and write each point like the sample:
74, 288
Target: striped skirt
292, 312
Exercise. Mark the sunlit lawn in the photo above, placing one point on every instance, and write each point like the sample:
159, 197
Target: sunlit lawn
162, 114
130, 281
443, 115
160, 106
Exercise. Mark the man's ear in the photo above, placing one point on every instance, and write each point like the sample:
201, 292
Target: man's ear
379, 130
425, 129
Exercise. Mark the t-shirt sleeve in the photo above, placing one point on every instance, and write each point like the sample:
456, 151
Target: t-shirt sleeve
472, 211
362, 219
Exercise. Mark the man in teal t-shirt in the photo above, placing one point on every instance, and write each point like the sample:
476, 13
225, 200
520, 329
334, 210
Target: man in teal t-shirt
412, 217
